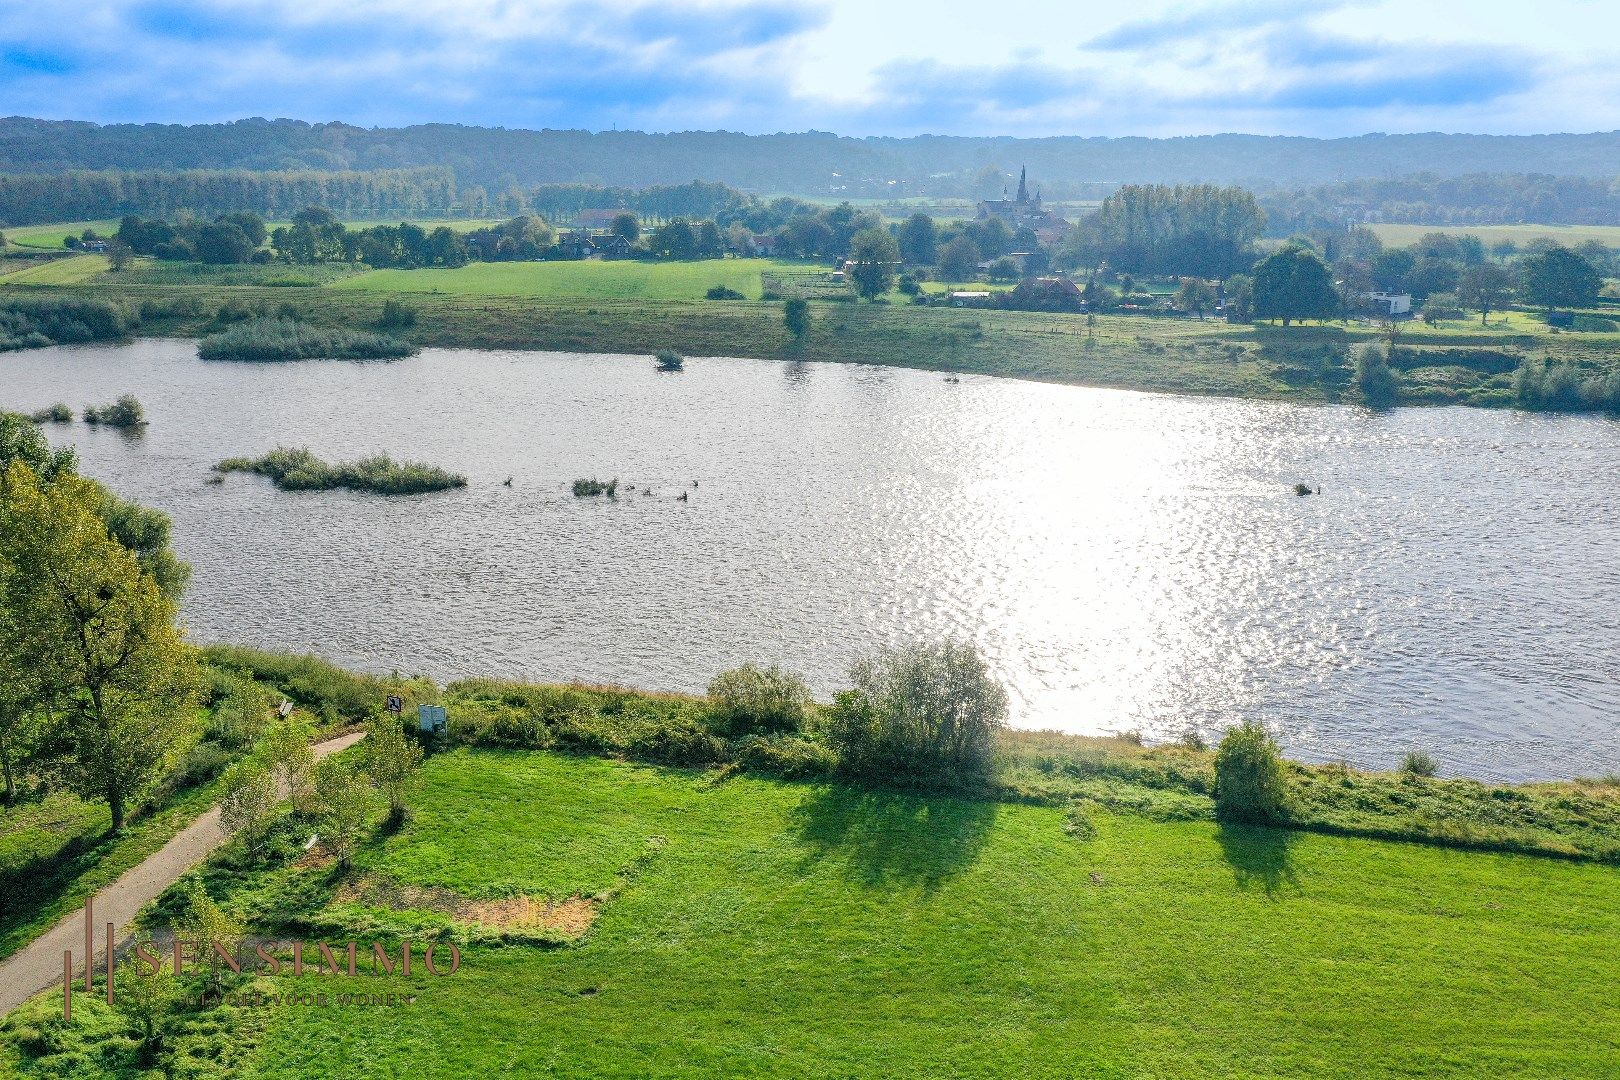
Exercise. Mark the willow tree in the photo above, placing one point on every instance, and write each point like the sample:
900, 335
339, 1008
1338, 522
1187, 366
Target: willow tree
95, 636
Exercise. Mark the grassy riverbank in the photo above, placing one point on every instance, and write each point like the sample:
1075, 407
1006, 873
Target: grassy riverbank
622, 920
1453, 363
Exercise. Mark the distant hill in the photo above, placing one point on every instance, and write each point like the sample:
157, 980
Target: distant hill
808, 163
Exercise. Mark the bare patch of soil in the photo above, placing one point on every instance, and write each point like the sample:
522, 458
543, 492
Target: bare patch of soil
570, 917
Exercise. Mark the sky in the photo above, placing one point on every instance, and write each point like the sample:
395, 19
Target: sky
856, 67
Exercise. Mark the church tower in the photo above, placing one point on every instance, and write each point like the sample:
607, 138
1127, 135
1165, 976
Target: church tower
1023, 186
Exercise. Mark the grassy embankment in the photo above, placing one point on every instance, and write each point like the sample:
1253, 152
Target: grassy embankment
1459, 362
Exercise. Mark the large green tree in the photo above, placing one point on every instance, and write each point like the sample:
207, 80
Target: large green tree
1485, 287
873, 258
919, 240
1559, 278
95, 636
1294, 283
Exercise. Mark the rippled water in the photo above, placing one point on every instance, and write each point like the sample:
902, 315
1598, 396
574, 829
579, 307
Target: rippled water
1126, 560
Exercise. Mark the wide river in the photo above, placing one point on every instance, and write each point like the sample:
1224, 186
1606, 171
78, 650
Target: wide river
1126, 561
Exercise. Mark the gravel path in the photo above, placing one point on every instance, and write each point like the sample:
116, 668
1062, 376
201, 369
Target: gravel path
38, 964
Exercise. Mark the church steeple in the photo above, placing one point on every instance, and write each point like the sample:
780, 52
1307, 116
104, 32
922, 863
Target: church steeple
1023, 186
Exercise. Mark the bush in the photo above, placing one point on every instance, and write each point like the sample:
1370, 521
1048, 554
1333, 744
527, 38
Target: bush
54, 414
923, 716
1418, 763
791, 757
751, 700
379, 474
720, 292
1250, 785
126, 412
269, 339
396, 316
1565, 387
32, 322
239, 713
328, 691
585, 488
669, 360
1374, 380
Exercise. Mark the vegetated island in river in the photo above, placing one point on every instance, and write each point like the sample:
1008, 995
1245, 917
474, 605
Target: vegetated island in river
379, 474
268, 339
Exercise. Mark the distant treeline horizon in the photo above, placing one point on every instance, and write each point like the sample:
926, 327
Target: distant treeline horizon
803, 163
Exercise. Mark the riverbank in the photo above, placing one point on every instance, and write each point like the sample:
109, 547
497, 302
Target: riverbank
1458, 363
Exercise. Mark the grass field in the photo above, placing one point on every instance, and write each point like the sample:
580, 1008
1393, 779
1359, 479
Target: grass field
588, 279
50, 237
757, 928
73, 270
1400, 235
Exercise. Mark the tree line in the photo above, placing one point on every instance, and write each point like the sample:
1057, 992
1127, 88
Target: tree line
81, 195
1436, 199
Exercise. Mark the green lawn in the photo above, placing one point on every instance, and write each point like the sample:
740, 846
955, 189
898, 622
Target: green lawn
589, 279
756, 928
1399, 235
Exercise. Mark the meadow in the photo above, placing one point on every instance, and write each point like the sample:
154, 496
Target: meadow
50, 237
72, 270
1401, 234
750, 927
585, 279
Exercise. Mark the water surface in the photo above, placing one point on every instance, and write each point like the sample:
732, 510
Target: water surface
1127, 561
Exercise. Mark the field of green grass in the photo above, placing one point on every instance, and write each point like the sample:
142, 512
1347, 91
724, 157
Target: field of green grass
50, 237
1400, 235
757, 928
587, 279
73, 270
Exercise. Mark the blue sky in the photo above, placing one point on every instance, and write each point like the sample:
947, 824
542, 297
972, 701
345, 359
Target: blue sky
862, 67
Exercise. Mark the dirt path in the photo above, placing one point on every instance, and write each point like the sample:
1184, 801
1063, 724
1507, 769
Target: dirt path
38, 964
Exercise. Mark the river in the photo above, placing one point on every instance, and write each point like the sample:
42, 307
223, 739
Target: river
1126, 561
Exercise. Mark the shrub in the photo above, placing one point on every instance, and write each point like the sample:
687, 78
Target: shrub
796, 315
585, 488
126, 412
1565, 387
328, 691
925, 715
720, 292
33, 322
792, 757
54, 414
1374, 380
396, 316
1419, 763
269, 339
379, 474
239, 712
1249, 781
751, 700
669, 360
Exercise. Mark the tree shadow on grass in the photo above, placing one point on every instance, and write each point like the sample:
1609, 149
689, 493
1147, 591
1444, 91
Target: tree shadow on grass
1259, 856
892, 838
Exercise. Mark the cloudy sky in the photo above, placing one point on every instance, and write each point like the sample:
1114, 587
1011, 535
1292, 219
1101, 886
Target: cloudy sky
857, 67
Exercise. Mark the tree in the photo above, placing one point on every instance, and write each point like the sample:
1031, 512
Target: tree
1432, 276
919, 240
673, 240
873, 256
1237, 298
223, 242
796, 316
207, 924
119, 255
926, 715
249, 803
389, 761
1294, 283
342, 809
1196, 296
291, 760
1440, 306
960, 259
627, 226
1250, 784
1197, 230
145, 1001
98, 635
1485, 287
21, 441
1558, 277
